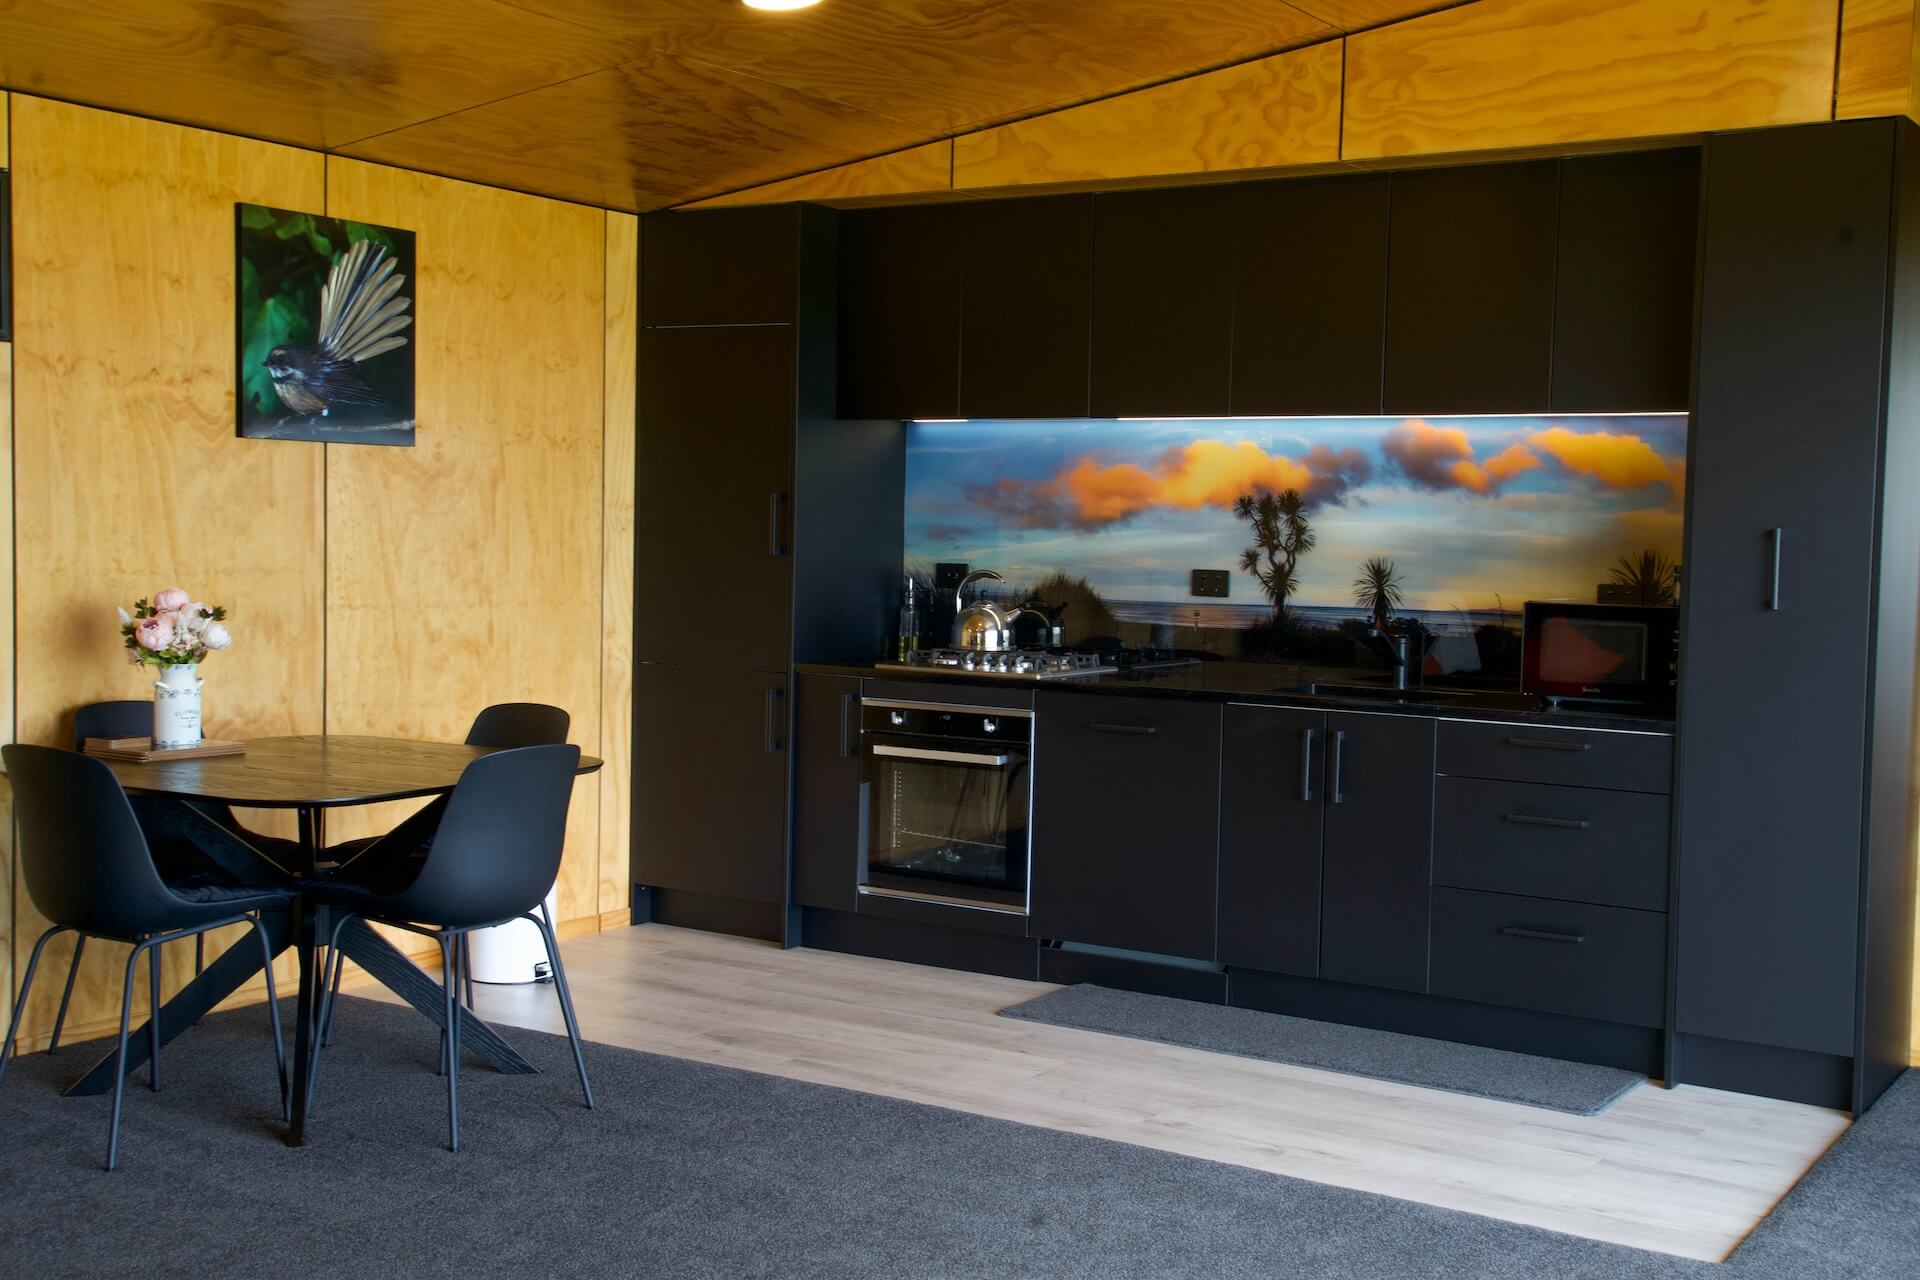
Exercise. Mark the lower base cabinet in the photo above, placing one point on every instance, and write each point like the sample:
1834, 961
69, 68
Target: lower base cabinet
1573, 958
1272, 779
1378, 855
829, 812
710, 781
1125, 822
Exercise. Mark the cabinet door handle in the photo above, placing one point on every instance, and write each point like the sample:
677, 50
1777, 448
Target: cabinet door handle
1139, 730
846, 726
1542, 935
1535, 820
1548, 744
1306, 764
1339, 752
1775, 537
776, 524
773, 720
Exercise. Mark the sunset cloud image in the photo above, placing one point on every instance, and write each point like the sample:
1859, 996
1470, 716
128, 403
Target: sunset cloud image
1473, 511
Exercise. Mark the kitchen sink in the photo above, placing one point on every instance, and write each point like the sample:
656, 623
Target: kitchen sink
1374, 692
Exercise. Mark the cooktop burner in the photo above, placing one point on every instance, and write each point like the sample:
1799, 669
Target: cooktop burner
1037, 664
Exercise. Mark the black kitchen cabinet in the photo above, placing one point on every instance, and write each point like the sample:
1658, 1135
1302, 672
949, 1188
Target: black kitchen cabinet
1778, 609
1378, 850
721, 266
713, 496
1272, 817
1470, 289
899, 313
829, 809
1163, 268
1310, 296
1024, 306
1623, 291
1125, 829
710, 782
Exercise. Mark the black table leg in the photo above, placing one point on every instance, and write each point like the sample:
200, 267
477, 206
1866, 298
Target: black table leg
401, 976
311, 932
226, 975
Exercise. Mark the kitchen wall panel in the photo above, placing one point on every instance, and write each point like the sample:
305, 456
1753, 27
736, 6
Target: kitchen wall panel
616, 521
1522, 73
466, 570
127, 472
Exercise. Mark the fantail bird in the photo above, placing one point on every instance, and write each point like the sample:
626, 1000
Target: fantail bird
361, 315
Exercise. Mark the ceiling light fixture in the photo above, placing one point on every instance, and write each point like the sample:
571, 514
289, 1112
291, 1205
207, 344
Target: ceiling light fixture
780, 6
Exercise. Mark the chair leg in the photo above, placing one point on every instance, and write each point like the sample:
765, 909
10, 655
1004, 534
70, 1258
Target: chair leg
199, 954
26, 988
337, 961
273, 1015
66, 993
153, 1019
323, 1016
120, 1060
566, 1002
466, 965
453, 1043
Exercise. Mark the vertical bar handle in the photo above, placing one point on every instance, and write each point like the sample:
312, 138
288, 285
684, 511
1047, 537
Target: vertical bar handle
1339, 750
846, 726
1775, 537
1306, 764
776, 524
773, 720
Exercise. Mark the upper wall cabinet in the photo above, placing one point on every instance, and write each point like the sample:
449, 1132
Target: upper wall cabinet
1470, 289
1310, 296
899, 313
1163, 265
1623, 295
1023, 310
720, 266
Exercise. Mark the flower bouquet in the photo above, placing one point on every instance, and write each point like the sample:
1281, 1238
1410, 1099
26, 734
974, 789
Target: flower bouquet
174, 633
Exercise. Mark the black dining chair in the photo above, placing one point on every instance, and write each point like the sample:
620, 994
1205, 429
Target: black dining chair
89, 871
492, 860
501, 726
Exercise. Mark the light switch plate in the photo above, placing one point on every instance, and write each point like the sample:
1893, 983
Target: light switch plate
1212, 582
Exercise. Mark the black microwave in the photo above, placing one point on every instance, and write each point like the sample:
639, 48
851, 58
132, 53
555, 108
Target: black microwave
1600, 652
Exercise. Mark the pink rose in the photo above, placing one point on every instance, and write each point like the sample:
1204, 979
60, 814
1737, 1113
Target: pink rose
172, 600
216, 636
153, 634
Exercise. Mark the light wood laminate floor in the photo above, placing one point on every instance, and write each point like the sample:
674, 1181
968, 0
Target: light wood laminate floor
1686, 1171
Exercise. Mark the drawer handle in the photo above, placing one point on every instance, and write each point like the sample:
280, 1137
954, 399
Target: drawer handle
1542, 935
1535, 820
1548, 744
1339, 758
1306, 764
1139, 730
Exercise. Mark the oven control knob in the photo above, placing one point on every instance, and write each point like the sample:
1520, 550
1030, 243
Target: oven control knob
990, 725
898, 717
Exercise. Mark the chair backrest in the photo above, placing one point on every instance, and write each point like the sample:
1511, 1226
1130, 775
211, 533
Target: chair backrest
84, 858
498, 847
519, 724
111, 720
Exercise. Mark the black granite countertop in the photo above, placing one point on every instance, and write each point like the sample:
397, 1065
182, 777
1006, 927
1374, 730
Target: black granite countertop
1275, 684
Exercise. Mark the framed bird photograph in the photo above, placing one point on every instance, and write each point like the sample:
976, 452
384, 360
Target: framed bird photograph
325, 315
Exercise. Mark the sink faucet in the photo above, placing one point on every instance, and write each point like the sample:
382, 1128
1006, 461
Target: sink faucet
1405, 673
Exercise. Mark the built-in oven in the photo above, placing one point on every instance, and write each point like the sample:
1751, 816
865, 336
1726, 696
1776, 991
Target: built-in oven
951, 792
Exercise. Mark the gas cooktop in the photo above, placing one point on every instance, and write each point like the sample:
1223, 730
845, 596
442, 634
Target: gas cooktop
1036, 664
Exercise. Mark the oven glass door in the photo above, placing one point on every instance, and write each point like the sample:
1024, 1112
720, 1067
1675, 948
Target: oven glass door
949, 818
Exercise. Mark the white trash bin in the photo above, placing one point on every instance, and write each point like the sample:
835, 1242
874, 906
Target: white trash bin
512, 952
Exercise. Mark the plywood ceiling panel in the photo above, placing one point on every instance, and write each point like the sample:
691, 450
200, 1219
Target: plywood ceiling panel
1358, 15
316, 73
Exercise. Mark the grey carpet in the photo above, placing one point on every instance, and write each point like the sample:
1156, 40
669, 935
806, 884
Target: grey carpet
688, 1170
1574, 1087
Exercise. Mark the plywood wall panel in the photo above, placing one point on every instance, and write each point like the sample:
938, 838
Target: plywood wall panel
1283, 110
1875, 76
616, 524
1514, 73
467, 570
896, 178
128, 474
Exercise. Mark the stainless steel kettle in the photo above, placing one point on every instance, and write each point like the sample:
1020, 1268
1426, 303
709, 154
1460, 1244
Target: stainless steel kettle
980, 625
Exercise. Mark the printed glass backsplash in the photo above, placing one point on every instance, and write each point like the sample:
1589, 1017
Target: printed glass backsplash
1323, 526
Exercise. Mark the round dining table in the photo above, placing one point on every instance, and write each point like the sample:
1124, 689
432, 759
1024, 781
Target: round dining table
310, 774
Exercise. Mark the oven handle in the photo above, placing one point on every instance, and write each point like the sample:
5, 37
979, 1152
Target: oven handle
952, 757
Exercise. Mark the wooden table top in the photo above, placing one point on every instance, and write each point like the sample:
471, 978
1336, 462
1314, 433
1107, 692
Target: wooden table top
314, 771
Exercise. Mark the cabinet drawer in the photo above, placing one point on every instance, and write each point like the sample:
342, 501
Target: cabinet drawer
1565, 757
1608, 963
1576, 843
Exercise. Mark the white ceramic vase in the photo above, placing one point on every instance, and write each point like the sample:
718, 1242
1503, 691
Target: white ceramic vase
176, 708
